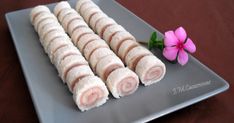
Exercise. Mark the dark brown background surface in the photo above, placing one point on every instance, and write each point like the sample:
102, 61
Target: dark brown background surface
210, 23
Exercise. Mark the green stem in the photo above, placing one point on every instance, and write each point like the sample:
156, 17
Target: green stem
155, 43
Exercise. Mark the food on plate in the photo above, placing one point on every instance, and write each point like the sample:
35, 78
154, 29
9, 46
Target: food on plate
102, 24
74, 24
99, 54
79, 32
84, 40
68, 63
36, 11
71, 65
107, 65
134, 55
60, 6
95, 18
150, 72
90, 92
102, 59
111, 31
125, 47
76, 73
120, 41
119, 38
92, 46
122, 81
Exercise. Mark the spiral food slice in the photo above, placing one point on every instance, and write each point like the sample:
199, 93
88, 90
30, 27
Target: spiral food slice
92, 46
68, 63
122, 82
134, 55
90, 92
108, 64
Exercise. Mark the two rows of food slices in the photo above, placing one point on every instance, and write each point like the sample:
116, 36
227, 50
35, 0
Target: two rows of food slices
107, 50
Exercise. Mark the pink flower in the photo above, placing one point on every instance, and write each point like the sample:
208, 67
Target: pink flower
177, 44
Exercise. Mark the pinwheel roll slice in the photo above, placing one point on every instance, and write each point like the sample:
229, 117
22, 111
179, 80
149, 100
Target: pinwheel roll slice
42, 17
79, 32
60, 6
119, 38
97, 55
84, 40
90, 92
57, 44
122, 82
134, 55
74, 24
69, 18
63, 52
76, 73
92, 46
68, 63
102, 24
108, 64
111, 31
125, 47
95, 19
90, 12
37, 11
150, 70
80, 3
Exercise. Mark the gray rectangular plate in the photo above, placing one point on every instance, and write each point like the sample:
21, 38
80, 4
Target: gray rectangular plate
181, 87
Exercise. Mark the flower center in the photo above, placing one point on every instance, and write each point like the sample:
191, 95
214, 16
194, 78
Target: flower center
180, 45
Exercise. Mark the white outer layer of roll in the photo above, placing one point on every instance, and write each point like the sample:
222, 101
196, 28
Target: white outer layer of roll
67, 20
78, 32
44, 23
110, 31
107, 64
75, 24
145, 64
95, 18
76, 73
56, 44
63, 52
85, 40
60, 6
79, 4
119, 38
48, 28
102, 24
36, 11
69, 62
64, 13
118, 76
134, 55
97, 55
88, 83
53, 35
86, 6
41, 18
125, 47
89, 12
92, 46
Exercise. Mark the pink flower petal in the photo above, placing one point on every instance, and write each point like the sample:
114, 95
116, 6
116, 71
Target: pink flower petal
170, 53
182, 57
181, 34
190, 46
170, 39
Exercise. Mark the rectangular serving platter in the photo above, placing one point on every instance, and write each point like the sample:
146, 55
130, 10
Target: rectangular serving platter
181, 87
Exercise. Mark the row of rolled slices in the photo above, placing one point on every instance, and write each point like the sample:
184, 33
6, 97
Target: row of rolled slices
94, 46
88, 90
148, 67
120, 80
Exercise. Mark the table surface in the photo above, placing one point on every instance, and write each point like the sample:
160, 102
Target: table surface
210, 23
